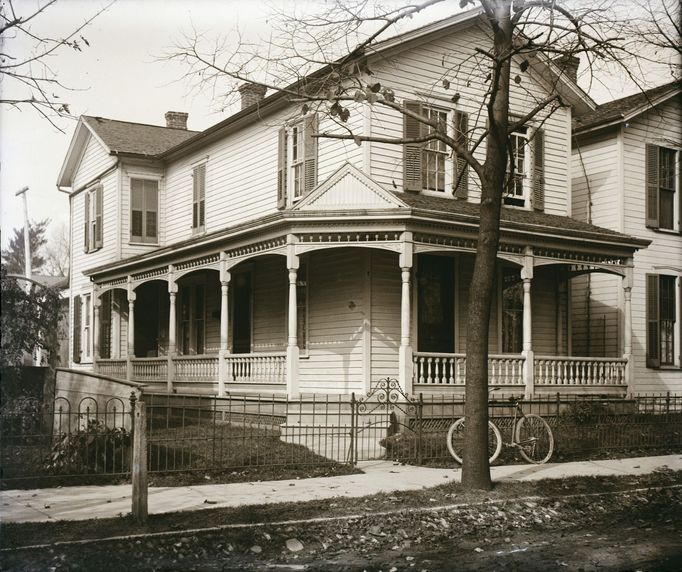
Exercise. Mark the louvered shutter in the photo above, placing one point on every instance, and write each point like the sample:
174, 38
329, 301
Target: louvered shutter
105, 326
461, 167
653, 344
412, 152
99, 218
539, 170
310, 153
76, 342
651, 176
282, 168
86, 223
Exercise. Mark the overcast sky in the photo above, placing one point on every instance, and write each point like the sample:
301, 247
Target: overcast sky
118, 76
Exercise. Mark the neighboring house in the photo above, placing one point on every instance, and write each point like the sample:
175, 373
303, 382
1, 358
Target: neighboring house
253, 257
626, 177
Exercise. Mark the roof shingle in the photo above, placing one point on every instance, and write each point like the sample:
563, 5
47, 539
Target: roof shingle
136, 138
620, 108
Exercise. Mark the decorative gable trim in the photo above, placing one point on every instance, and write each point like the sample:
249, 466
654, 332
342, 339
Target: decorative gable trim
349, 188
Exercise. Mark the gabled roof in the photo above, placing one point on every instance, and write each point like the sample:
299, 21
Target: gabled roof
125, 137
625, 108
118, 138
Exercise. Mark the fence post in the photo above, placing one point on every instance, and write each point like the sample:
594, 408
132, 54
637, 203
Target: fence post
352, 428
139, 464
420, 412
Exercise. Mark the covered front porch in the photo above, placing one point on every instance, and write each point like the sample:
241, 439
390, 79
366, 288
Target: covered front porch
310, 312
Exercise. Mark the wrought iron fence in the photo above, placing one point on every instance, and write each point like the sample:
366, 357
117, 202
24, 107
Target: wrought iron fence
91, 437
45, 444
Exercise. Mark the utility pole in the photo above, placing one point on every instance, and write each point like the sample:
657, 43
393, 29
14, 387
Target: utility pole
27, 238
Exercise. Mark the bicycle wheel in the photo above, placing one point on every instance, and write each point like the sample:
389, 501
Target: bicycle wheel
455, 440
534, 439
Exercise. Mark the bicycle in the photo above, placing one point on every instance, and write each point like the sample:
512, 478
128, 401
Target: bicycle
530, 435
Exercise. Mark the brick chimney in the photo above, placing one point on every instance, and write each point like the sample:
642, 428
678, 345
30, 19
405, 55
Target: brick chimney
569, 65
176, 119
251, 93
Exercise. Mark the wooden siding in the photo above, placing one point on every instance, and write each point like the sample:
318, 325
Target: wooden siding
270, 301
336, 308
385, 314
616, 161
417, 71
661, 126
94, 161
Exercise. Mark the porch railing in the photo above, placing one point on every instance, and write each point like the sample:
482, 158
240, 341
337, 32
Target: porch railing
112, 367
150, 369
259, 367
450, 369
191, 368
579, 371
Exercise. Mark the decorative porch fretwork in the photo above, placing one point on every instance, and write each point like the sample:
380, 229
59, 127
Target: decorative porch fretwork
258, 248
148, 274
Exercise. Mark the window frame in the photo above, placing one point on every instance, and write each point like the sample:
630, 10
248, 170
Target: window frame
655, 192
87, 328
199, 203
667, 331
298, 173
143, 239
93, 218
439, 150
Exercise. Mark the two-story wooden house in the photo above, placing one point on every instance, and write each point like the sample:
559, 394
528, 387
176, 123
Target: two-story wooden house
626, 177
255, 257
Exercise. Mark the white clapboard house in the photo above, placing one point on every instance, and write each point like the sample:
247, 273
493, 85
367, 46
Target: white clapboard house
626, 177
253, 257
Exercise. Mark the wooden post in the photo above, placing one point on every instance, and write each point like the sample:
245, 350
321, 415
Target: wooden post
528, 353
172, 321
96, 303
131, 330
292, 323
224, 321
139, 463
405, 350
627, 323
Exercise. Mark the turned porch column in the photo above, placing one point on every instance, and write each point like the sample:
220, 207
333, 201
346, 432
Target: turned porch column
528, 353
172, 325
627, 322
224, 309
292, 334
131, 330
96, 303
405, 350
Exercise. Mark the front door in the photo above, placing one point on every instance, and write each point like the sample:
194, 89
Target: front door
241, 321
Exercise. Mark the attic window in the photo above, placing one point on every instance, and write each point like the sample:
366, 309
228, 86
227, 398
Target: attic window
144, 210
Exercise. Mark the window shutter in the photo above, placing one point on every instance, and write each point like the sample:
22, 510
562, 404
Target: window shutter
539, 170
651, 186
99, 218
136, 208
310, 153
199, 196
86, 224
282, 168
412, 152
105, 325
151, 205
461, 167
653, 344
76, 343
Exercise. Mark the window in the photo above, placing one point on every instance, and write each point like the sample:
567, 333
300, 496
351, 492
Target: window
302, 307
435, 304
93, 219
517, 181
512, 311
434, 152
105, 325
199, 198
661, 316
86, 326
144, 208
297, 161
660, 187
430, 166
192, 319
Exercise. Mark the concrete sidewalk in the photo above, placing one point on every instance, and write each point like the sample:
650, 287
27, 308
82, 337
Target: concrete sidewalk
82, 503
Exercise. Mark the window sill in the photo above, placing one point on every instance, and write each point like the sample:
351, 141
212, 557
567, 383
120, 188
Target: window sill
447, 194
198, 232
136, 243
670, 231
93, 250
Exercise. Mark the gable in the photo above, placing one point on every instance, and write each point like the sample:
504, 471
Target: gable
349, 189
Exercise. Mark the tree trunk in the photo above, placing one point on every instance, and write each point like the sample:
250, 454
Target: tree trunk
476, 469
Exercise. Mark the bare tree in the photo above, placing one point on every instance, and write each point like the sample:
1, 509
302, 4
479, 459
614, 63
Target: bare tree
323, 62
27, 77
56, 251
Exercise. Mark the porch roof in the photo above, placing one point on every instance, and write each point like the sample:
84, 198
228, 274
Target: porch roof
520, 219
